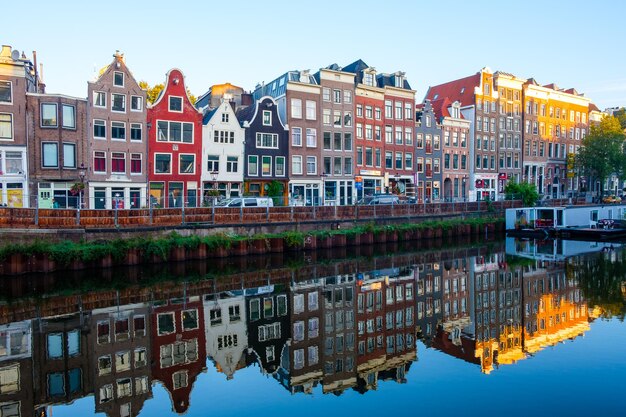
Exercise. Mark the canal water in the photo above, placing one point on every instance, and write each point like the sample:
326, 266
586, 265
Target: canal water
471, 328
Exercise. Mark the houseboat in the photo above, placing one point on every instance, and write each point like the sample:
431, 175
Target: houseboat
582, 222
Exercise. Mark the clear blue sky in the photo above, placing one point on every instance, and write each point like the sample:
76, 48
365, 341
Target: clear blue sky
572, 43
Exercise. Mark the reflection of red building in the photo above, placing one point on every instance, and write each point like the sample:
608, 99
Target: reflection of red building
175, 145
178, 347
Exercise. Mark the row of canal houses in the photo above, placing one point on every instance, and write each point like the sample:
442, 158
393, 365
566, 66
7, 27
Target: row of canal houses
329, 137
348, 331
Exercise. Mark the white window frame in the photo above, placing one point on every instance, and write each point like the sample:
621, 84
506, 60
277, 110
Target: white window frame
117, 139
271, 166
293, 170
169, 104
194, 164
93, 129
10, 83
154, 161
104, 155
134, 159
118, 172
73, 146
130, 137
311, 110
314, 159
115, 73
140, 108
276, 172
12, 134
313, 143
293, 130
267, 118
123, 102
256, 172
296, 104
97, 94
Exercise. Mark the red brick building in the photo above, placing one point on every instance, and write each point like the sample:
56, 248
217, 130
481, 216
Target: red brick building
178, 347
175, 146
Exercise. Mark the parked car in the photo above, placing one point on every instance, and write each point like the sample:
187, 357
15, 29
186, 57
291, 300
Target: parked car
247, 202
377, 199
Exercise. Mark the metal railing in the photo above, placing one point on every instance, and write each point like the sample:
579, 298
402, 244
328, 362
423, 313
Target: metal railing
148, 215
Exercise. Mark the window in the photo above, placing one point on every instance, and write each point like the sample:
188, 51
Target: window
388, 109
190, 319
165, 323
176, 104
267, 118
118, 131
186, 164
326, 117
177, 132
311, 138
48, 115
326, 94
311, 165
162, 163
6, 126
267, 140
408, 111
347, 118
337, 118
398, 160
99, 161
99, 99
337, 96
213, 163
311, 110
408, 162
298, 331
135, 131
118, 103
280, 166
118, 162
69, 116
253, 165
69, 155
135, 163
232, 164
296, 108
296, 164
266, 166
14, 165
99, 129
118, 79
296, 136
398, 108
6, 95
388, 160
50, 155
136, 103
347, 96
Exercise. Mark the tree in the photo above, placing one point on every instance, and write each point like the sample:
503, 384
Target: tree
525, 191
153, 92
602, 151
621, 116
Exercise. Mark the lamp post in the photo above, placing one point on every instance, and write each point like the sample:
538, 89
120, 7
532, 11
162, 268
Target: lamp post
324, 175
214, 175
81, 174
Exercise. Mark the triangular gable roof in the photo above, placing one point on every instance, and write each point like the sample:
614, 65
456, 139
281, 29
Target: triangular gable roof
461, 90
210, 113
116, 58
593, 107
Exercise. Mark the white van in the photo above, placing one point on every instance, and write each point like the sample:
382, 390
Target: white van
247, 202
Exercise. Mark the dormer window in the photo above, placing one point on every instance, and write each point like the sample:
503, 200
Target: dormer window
118, 79
399, 81
368, 78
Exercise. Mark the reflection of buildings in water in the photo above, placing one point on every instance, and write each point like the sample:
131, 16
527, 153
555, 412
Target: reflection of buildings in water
302, 361
515, 311
121, 359
178, 347
267, 326
62, 358
16, 372
339, 339
554, 309
226, 333
428, 300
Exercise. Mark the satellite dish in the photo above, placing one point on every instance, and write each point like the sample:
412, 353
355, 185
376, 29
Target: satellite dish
15, 55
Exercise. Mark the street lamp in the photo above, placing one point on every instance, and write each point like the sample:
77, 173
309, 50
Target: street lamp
81, 174
323, 175
464, 182
214, 175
